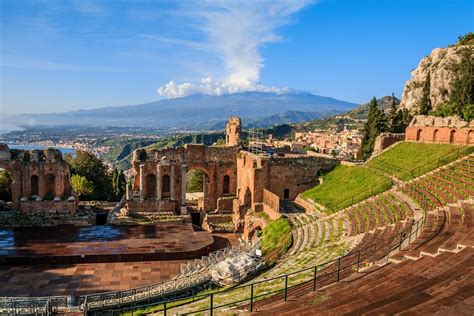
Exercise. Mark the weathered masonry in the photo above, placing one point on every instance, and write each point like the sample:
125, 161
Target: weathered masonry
160, 181
447, 130
41, 180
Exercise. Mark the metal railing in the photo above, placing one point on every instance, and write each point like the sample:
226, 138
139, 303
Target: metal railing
279, 288
32, 305
182, 283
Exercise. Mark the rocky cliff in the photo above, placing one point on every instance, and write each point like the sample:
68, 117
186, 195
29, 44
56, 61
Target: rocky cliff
441, 65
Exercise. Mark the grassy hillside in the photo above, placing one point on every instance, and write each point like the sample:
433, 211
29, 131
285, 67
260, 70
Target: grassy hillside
346, 185
408, 160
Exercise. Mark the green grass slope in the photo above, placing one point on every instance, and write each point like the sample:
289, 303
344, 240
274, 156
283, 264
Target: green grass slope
346, 185
408, 160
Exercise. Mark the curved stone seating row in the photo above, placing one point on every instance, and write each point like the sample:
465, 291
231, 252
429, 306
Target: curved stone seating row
383, 209
310, 232
444, 185
433, 274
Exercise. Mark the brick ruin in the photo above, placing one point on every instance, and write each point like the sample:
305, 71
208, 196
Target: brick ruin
40, 181
233, 130
235, 181
160, 177
443, 130
263, 181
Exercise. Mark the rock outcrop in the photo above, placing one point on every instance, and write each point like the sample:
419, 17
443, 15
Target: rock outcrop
440, 64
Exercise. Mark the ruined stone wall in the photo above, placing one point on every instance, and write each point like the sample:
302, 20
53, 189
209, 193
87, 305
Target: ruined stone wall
49, 207
448, 130
271, 204
161, 176
285, 177
38, 175
233, 130
385, 140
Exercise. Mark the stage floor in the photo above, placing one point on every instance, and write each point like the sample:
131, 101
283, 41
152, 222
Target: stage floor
69, 244
87, 278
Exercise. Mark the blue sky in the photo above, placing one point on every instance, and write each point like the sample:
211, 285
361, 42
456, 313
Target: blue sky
66, 55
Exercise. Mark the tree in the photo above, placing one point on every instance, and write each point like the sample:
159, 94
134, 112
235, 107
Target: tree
82, 186
87, 165
425, 102
461, 99
118, 184
6, 181
376, 123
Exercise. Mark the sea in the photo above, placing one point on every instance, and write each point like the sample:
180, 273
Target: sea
64, 150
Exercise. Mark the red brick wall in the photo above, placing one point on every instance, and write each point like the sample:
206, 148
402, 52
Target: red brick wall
48, 207
442, 135
271, 204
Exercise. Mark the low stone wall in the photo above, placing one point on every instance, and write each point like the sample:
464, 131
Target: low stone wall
225, 203
307, 205
151, 206
385, 140
271, 204
49, 207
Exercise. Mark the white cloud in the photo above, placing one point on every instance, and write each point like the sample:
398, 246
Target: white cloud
235, 31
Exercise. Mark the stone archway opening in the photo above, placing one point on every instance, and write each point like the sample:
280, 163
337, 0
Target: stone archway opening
34, 185
452, 136
197, 187
435, 136
150, 186
50, 186
226, 185
419, 135
6, 182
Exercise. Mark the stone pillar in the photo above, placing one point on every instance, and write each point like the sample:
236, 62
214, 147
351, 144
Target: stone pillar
158, 182
172, 183
184, 209
142, 183
127, 190
183, 184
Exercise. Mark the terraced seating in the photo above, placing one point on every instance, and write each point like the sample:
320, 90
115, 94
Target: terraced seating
381, 210
444, 185
433, 274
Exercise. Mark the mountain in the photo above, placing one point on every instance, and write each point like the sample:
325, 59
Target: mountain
196, 112
362, 111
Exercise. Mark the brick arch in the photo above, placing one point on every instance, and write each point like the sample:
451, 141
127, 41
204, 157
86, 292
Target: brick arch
419, 135
50, 184
34, 185
452, 136
8, 194
226, 184
470, 136
252, 232
435, 135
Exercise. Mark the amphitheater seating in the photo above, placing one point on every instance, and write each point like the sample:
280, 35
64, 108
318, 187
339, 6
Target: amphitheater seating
432, 273
381, 210
444, 185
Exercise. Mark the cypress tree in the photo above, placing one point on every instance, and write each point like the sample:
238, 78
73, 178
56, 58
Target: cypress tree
425, 102
376, 123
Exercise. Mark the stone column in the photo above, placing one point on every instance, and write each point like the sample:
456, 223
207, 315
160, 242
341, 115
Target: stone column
127, 190
142, 183
172, 183
183, 184
158, 182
